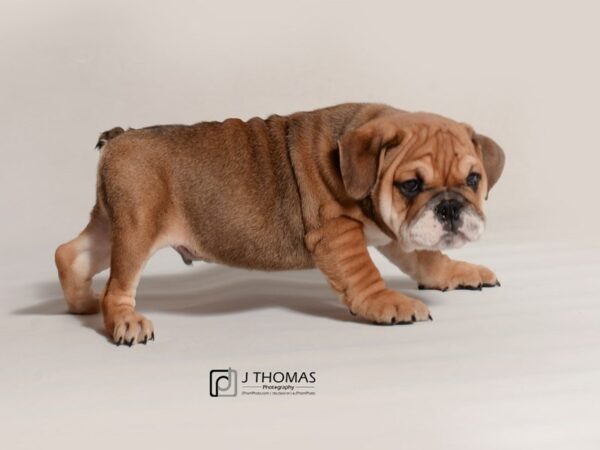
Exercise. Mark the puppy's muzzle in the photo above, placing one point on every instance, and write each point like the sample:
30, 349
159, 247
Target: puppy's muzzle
446, 221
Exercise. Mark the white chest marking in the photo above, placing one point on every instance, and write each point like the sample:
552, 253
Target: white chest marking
374, 236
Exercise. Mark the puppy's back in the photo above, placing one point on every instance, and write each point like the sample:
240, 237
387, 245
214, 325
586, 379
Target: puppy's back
231, 182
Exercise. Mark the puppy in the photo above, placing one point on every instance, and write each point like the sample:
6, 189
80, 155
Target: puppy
312, 189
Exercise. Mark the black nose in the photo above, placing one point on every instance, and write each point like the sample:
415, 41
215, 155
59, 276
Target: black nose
448, 211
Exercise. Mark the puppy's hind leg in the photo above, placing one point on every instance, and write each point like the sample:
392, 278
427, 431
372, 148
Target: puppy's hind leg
80, 259
133, 241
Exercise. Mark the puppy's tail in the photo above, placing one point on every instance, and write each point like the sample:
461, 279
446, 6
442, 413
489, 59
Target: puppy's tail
108, 135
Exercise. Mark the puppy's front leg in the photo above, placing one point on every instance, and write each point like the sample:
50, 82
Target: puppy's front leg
339, 250
434, 270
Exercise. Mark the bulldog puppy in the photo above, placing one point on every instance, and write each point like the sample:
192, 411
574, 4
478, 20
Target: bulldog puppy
312, 189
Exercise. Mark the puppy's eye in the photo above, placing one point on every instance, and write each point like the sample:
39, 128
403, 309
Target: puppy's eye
410, 188
473, 180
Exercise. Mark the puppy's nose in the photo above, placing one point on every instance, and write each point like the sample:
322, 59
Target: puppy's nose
448, 211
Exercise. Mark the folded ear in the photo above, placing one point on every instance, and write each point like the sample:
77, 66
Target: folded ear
493, 158
361, 152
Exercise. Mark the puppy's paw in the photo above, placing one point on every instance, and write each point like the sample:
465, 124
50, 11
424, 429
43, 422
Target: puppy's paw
390, 307
128, 327
461, 275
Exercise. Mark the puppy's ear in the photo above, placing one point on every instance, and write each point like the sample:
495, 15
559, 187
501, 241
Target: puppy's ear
493, 158
361, 152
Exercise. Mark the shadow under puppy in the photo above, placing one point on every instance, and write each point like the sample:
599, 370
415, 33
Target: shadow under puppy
287, 192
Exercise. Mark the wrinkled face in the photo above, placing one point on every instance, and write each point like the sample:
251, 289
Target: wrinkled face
431, 195
432, 180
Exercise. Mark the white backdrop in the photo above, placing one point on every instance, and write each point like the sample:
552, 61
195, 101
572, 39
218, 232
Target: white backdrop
509, 368
526, 73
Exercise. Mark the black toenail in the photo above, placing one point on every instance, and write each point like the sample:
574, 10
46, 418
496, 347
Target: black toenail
119, 341
414, 318
498, 283
467, 287
393, 320
422, 287
430, 318
145, 340
152, 337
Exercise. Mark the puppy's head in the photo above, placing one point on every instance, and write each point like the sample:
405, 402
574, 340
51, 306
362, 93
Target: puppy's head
427, 177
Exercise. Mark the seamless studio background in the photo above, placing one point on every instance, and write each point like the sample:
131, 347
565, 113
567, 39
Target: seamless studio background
524, 73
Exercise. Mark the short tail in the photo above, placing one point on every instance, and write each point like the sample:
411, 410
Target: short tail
108, 135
